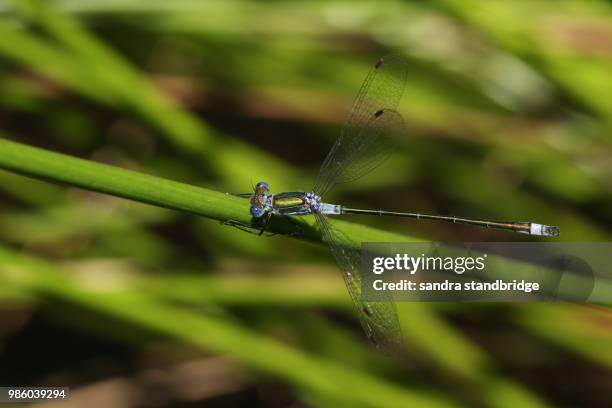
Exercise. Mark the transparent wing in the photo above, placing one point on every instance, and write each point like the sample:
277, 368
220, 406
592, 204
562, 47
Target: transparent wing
379, 319
365, 141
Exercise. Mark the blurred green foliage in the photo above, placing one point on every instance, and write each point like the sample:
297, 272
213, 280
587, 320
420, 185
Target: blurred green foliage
509, 114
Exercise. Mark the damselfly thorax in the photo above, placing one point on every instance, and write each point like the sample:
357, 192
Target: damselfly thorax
290, 203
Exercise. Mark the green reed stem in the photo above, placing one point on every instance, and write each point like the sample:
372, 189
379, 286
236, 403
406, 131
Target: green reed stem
103, 178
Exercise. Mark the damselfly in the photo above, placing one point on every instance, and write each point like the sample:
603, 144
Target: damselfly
364, 143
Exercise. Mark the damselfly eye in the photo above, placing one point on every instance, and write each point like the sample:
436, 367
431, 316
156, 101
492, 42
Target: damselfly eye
257, 212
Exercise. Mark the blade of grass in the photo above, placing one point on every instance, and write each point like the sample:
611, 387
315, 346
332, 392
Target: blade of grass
59, 168
123, 81
517, 27
308, 371
87, 66
585, 334
455, 354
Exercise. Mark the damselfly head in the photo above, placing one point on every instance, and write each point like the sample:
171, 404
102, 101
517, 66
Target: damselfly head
260, 200
262, 188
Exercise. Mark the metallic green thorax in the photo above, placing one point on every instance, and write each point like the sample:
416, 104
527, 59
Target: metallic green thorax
284, 202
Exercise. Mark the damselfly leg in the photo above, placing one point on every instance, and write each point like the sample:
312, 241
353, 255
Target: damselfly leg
252, 228
241, 195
